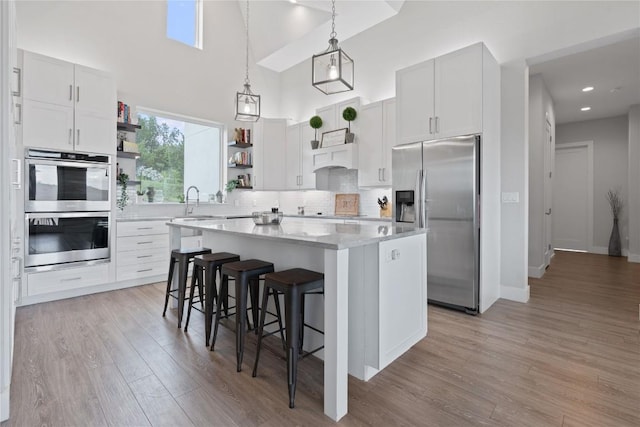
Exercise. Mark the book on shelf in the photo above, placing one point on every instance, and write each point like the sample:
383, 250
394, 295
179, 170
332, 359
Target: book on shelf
124, 113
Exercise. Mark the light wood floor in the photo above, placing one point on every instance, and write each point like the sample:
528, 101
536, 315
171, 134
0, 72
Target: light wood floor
570, 357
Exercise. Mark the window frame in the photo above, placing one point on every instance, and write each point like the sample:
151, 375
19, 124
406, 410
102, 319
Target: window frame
222, 173
198, 25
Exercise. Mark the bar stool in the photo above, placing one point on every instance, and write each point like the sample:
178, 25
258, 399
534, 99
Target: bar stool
183, 257
205, 269
294, 284
246, 274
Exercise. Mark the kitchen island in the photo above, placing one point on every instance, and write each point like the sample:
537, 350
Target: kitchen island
375, 294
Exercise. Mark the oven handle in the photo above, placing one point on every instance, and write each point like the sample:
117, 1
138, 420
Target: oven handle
105, 215
78, 164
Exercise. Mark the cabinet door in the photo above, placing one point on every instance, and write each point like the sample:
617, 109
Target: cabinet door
370, 145
388, 137
458, 92
95, 91
292, 158
47, 125
307, 176
48, 80
273, 137
95, 133
414, 102
328, 116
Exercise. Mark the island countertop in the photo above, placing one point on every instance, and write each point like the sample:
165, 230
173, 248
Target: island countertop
309, 232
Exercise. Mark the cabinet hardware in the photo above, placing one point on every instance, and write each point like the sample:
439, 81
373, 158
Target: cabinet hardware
78, 139
18, 92
144, 256
17, 272
430, 127
70, 92
19, 108
71, 279
437, 124
548, 212
70, 136
144, 243
144, 228
383, 173
77, 93
146, 269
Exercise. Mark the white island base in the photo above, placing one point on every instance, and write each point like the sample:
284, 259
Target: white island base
375, 294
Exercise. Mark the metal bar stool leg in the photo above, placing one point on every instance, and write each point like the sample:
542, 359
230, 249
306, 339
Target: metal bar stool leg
195, 277
263, 314
169, 280
292, 311
221, 296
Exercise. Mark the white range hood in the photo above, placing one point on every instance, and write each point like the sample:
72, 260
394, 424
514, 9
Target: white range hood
337, 156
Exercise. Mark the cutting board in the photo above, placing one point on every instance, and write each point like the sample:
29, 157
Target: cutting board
347, 204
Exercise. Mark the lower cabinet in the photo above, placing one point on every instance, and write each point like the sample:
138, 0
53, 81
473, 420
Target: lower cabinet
142, 250
64, 280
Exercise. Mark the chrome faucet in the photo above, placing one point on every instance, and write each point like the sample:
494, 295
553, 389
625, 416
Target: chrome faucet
186, 199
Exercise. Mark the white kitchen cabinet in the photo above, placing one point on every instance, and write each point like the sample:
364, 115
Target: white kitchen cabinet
441, 97
142, 250
67, 279
269, 154
331, 116
67, 106
377, 137
299, 157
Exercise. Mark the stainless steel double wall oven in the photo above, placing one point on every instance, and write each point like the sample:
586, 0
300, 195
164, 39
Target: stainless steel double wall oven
67, 207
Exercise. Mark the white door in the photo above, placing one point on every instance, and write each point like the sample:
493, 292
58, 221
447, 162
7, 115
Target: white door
292, 157
370, 145
414, 102
458, 92
548, 194
572, 197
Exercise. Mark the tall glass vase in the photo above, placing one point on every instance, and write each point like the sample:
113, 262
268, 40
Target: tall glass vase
615, 248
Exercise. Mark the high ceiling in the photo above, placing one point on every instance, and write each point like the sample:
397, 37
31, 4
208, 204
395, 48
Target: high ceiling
613, 70
284, 33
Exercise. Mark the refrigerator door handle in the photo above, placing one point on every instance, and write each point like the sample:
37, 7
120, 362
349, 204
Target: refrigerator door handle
419, 199
423, 199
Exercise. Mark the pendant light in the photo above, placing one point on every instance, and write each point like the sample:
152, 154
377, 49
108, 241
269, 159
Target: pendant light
332, 70
247, 103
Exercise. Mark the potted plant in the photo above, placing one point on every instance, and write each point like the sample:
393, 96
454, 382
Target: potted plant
349, 114
316, 123
231, 185
124, 196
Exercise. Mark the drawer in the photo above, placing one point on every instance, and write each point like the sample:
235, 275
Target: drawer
62, 280
141, 228
156, 254
140, 270
136, 243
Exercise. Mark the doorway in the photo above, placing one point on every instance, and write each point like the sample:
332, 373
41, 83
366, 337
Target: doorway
549, 155
572, 227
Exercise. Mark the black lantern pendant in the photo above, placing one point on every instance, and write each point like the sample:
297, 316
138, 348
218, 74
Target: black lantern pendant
247, 103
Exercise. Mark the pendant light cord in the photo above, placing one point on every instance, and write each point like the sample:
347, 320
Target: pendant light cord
333, 20
246, 76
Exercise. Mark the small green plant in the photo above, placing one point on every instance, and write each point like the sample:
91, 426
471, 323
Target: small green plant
349, 114
231, 185
316, 123
122, 201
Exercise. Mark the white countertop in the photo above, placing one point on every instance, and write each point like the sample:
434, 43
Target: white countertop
131, 218
308, 232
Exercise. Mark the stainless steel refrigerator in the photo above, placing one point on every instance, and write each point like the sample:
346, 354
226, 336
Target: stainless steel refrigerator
436, 185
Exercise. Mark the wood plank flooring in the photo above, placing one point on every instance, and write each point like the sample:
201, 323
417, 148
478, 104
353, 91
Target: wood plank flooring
570, 357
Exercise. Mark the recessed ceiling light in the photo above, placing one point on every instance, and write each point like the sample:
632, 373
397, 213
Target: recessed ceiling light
585, 109
293, 1
587, 89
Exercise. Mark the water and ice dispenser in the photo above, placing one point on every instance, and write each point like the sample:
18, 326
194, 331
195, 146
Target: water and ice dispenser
405, 208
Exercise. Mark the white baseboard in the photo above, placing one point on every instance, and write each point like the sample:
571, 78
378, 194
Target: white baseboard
514, 294
633, 258
604, 250
4, 404
536, 272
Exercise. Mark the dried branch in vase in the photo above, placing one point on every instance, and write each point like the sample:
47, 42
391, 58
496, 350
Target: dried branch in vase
615, 201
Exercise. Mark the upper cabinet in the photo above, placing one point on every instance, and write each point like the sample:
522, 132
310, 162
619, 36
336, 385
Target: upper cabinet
299, 158
377, 135
67, 106
441, 97
269, 137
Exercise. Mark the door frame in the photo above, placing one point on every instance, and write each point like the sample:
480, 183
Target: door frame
589, 147
549, 161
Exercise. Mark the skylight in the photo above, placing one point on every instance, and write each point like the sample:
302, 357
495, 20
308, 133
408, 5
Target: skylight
184, 22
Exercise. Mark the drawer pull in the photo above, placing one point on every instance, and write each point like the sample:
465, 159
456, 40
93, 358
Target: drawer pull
144, 243
144, 256
70, 279
146, 269
144, 228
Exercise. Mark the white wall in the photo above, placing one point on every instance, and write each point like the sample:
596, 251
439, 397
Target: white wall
127, 38
610, 158
633, 210
540, 110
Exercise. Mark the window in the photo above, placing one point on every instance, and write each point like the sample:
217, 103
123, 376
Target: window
177, 152
184, 21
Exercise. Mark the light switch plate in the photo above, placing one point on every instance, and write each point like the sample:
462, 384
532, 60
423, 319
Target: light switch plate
513, 197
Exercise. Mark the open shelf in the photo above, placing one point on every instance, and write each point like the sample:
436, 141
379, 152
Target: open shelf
127, 155
244, 188
237, 166
128, 127
239, 144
